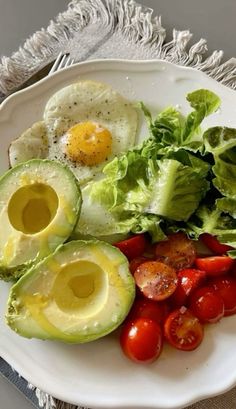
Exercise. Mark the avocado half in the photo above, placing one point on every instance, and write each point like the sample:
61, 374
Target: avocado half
81, 292
39, 207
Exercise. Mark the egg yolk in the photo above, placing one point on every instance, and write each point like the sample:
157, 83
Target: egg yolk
88, 143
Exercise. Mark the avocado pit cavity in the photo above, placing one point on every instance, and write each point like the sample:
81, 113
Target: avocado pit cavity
81, 286
32, 208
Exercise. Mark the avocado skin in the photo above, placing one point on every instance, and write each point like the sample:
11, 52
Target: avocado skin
14, 309
12, 274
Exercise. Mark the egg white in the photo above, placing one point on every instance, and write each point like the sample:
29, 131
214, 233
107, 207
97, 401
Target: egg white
95, 220
88, 101
32, 144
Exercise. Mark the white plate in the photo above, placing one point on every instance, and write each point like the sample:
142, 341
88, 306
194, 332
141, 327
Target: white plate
97, 374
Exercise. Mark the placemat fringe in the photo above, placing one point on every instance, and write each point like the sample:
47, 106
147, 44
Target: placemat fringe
135, 23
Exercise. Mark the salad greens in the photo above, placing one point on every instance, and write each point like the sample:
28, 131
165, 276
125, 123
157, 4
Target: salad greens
177, 179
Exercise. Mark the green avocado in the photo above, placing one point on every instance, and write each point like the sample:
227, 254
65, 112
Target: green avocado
39, 207
81, 292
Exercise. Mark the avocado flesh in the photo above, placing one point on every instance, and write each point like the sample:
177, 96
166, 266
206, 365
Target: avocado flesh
39, 207
81, 292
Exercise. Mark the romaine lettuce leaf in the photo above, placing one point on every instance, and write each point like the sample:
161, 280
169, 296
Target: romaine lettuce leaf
171, 129
138, 182
213, 221
221, 143
227, 205
204, 103
166, 128
177, 190
128, 182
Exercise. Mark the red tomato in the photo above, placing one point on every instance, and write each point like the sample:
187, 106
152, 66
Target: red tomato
135, 263
215, 265
188, 280
207, 305
156, 280
141, 340
144, 308
183, 330
133, 247
226, 287
178, 251
214, 245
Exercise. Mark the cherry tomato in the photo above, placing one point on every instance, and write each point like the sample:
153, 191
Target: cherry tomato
177, 251
156, 280
136, 262
133, 247
215, 265
141, 340
207, 305
214, 245
145, 308
226, 287
183, 330
188, 280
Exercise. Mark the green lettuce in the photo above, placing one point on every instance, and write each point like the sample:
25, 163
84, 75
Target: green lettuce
212, 220
221, 143
171, 129
227, 205
139, 182
177, 190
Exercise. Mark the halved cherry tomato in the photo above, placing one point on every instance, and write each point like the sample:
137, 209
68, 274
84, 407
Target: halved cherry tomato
136, 262
207, 305
215, 265
188, 280
156, 280
226, 286
133, 247
145, 308
178, 251
183, 330
141, 340
213, 244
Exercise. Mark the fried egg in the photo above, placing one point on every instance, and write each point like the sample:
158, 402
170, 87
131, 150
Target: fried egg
32, 144
86, 124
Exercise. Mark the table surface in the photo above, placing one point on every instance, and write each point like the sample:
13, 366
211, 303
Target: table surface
213, 20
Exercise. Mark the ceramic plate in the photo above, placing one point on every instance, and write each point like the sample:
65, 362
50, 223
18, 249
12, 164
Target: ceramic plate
97, 374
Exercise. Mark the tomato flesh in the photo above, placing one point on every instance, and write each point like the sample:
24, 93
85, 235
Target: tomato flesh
177, 251
207, 305
156, 280
215, 265
213, 244
226, 287
136, 262
183, 330
145, 308
188, 280
141, 340
133, 247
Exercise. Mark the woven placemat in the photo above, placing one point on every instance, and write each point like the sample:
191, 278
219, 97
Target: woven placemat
123, 29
